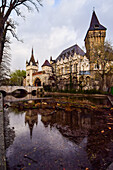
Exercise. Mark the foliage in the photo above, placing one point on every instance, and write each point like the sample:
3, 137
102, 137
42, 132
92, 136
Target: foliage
103, 59
47, 88
7, 24
17, 77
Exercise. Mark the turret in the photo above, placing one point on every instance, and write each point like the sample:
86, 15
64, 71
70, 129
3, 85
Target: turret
31, 67
26, 62
51, 60
47, 67
95, 36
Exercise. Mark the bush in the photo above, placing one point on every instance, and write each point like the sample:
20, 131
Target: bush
47, 88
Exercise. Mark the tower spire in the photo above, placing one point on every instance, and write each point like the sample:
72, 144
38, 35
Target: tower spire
95, 24
95, 35
32, 58
32, 50
93, 8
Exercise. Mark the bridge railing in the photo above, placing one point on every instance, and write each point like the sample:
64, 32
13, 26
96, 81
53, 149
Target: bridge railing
29, 89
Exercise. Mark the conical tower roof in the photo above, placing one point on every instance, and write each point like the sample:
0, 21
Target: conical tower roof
95, 25
46, 63
32, 58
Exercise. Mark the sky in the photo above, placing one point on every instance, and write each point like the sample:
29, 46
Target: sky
58, 25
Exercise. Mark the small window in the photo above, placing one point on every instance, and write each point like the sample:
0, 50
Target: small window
62, 70
96, 26
65, 70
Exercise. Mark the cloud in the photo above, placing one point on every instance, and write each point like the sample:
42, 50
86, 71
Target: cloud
58, 25
44, 46
50, 2
106, 7
60, 35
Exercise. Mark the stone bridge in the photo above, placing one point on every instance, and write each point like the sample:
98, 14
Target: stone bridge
28, 89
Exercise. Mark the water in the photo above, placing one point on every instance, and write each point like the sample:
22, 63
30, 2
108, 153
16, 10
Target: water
74, 140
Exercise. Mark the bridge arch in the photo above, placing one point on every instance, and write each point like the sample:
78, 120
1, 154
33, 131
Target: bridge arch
34, 92
28, 89
19, 93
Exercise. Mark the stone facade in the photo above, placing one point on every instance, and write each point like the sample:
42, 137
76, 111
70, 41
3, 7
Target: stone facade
73, 68
31, 67
69, 66
35, 77
94, 40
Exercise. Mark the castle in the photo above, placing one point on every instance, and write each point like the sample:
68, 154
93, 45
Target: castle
73, 68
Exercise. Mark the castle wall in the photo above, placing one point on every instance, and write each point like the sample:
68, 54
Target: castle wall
73, 66
30, 69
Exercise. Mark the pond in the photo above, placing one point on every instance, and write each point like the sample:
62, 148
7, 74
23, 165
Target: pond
54, 138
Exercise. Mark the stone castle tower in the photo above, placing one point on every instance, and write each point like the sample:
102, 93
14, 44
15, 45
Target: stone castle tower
95, 37
31, 67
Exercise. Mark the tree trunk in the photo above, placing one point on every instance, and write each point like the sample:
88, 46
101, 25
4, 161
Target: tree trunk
103, 83
1, 52
2, 41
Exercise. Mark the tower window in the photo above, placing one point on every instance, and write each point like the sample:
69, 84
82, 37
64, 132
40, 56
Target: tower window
96, 26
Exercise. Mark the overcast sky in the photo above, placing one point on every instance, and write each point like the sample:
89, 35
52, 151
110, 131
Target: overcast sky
59, 25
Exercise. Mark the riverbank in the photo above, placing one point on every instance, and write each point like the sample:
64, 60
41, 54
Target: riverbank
73, 94
2, 142
110, 97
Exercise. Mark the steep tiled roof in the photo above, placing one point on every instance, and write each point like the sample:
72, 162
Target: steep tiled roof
46, 63
32, 59
70, 51
95, 24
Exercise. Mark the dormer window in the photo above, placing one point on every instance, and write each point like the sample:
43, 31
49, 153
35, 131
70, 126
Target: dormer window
96, 26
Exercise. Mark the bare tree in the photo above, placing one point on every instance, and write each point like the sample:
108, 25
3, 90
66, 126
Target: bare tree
5, 64
6, 23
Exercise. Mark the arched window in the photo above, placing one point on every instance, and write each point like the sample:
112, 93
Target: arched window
59, 71
37, 82
62, 70
66, 70
75, 67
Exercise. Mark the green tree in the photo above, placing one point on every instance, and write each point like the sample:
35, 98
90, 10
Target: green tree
103, 59
7, 24
17, 77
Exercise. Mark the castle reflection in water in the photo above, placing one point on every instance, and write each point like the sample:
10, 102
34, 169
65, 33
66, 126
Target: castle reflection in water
31, 118
74, 124
88, 129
